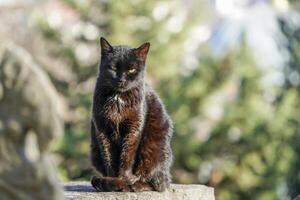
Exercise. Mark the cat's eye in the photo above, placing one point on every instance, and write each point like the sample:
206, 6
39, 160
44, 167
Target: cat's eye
113, 67
131, 71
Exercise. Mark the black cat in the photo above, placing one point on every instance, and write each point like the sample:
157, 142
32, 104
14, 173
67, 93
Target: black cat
130, 129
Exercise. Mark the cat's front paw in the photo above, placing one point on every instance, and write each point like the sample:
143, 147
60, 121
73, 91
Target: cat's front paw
141, 187
97, 184
129, 178
126, 189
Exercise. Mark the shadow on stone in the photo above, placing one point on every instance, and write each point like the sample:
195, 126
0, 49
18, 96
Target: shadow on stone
79, 188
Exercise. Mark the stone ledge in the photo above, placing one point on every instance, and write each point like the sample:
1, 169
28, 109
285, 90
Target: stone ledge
83, 190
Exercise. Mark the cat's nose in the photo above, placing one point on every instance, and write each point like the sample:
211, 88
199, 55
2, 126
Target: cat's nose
121, 79
121, 82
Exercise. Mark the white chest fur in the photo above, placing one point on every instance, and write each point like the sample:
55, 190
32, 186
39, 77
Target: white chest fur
114, 108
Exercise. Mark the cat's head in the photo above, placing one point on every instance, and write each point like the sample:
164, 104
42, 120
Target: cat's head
122, 67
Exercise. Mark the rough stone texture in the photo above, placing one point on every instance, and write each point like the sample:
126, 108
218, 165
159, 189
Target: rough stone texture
83, 190
29, 122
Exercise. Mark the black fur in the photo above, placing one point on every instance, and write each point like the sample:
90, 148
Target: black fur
130, 129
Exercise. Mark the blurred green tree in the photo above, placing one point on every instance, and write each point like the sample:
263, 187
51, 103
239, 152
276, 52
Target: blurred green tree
292, 75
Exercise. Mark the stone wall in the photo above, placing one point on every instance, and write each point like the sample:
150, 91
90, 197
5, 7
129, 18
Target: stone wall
84, 191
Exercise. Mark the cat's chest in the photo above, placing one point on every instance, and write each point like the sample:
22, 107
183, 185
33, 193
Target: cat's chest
116, 108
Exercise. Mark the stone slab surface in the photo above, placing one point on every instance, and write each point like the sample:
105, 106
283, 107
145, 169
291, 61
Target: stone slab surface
84, 191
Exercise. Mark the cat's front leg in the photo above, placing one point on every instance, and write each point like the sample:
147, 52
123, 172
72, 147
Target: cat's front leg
105, 146
129, 148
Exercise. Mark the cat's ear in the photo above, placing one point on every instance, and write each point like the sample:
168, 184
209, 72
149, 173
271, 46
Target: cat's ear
105, 46
142, 51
